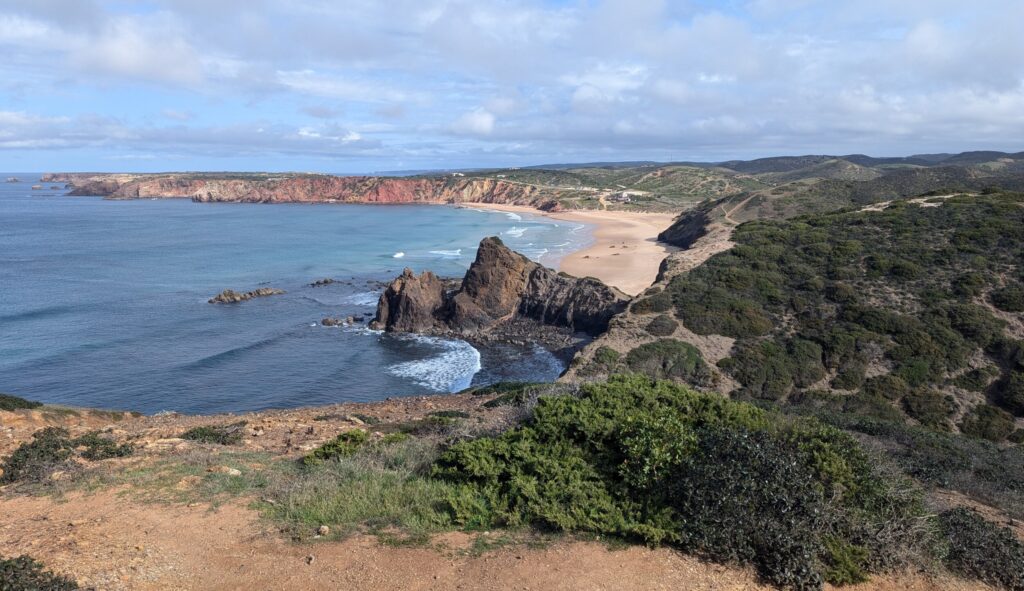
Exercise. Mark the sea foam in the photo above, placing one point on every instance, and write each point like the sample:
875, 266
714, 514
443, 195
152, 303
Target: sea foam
450, 370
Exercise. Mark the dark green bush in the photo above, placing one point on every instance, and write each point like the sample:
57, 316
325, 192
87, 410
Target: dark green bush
655, 304
230, 434
102, 448
25, 574
606, 356
1017, 436
662, 326
669, 359
35, 460
763, 368
886, 386
930, 408
342, 446
1009, 392
8, 402
1008, 299
987, 422
657, 462
982, 550
976, 380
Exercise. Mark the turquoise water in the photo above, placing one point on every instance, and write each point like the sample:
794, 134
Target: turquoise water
103, 303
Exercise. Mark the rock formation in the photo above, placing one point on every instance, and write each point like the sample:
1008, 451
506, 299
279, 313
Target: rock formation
500, 286
230, 296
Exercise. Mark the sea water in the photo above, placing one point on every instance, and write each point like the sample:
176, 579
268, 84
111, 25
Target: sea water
104, 303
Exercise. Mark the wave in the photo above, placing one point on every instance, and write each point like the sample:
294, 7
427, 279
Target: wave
448, 253
230, 354
365, 298
515, 231
398, 255
451, 370
513, 216
40, 313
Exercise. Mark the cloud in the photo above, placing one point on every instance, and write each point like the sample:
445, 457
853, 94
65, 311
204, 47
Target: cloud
475, 122
441, 81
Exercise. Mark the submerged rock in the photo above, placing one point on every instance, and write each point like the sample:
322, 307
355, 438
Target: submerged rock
230, 296
321, 282
501, 285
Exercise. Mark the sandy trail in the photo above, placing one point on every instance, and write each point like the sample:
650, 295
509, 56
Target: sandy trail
625, 252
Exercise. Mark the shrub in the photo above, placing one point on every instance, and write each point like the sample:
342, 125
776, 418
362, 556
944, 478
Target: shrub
982, 550
101, 448
1009, 392
976, 380
606, 356
669, 359
886, 386
219, 434
655, 304
662, 326
930, 408
1017, 436
25, 574
763, 368
35, 460
342, 446
657, 462
8, 402
1008, 299
987, 422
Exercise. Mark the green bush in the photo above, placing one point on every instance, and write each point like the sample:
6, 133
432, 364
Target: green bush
662, 326
52, 448
1017, 436
342, 446
669, 359
25, 574
982, 550
976, 380
35, 460
655, 304
1008, 299
930, 408
606, 356
8, 402
230, 434
887, 386
1009, 392
987, 422
657, 462
102, 448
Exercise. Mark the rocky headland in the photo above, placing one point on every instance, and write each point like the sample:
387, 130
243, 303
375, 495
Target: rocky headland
309, 188
502, 295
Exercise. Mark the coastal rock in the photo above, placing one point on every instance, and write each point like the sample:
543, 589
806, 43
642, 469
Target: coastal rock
321, 282
331, 321
500, 286
230, 296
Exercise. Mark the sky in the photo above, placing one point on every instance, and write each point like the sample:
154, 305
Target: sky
357, 86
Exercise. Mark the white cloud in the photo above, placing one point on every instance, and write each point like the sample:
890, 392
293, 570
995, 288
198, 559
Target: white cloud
476, 122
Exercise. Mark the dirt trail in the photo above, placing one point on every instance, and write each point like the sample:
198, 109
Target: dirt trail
114, 544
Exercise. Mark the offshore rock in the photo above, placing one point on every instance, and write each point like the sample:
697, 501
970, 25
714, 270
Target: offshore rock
500, 286
230, 296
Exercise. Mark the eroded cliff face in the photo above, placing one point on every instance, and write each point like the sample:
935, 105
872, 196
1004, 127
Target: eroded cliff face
500, 286
309, 188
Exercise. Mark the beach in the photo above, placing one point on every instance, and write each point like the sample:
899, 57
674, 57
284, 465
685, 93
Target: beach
625, 252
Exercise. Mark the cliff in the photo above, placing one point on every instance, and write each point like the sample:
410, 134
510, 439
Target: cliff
309, 188
501, 285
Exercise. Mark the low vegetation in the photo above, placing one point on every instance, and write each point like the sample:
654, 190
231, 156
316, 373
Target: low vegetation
981, 550
26, 574
230, 434
658, 463
892, 309
8, 402
53, 449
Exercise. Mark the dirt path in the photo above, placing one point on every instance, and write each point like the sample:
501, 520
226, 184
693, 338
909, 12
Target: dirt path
114, 544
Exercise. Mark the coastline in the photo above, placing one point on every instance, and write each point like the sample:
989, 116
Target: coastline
625, 254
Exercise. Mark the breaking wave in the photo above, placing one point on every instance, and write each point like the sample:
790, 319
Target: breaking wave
450, 370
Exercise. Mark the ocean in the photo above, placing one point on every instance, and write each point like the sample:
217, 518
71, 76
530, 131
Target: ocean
104, 303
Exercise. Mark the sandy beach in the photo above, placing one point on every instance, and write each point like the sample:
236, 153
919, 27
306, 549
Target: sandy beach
625, 252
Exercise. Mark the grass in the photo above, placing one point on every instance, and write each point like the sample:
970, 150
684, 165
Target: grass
219, 434
382, 489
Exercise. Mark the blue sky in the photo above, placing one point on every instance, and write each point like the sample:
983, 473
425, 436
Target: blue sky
360, 86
